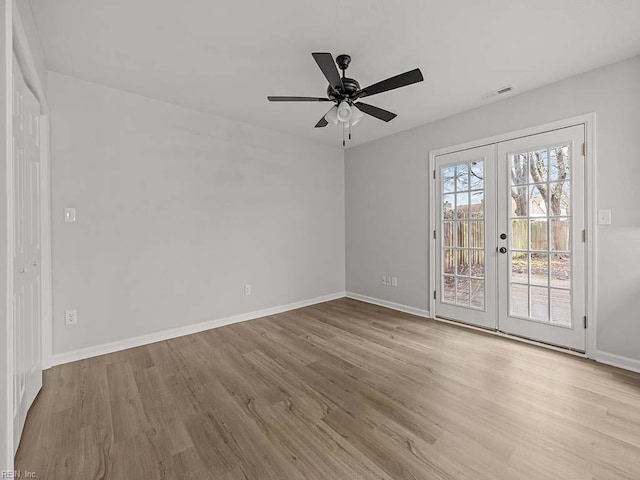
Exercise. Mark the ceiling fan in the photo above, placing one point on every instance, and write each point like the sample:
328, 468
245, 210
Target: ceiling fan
346, 93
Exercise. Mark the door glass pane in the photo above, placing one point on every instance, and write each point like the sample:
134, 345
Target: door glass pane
463, 266
448, 206
539, 268
462, 234
477, 293
447, 234
476, 175
538, 162
476, 210
462, 177
448, 261
519, 235
476, 234
462, 205
538, 233
477, 263
519, 169
559, 165
448, 179
561, 307
540, 237
520, 267
519, 301
537, 204
561, 234
449, 289
560, 270
539, 303
462, 291
519, 201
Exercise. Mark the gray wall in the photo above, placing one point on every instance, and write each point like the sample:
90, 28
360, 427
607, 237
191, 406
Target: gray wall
177, 210
33, 38
387, 194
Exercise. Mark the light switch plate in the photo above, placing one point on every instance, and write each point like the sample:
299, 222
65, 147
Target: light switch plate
394, 281
69, 215
604, 217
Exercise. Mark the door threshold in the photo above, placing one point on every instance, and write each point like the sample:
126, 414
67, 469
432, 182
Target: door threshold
517, 338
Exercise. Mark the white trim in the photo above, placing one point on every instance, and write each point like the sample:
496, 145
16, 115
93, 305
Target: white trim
591, 216
392, 305
116, 346
589, 121
45, 243
6, 460
617, 360
524, 132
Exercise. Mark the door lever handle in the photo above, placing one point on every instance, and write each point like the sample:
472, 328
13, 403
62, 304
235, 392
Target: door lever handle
503, 250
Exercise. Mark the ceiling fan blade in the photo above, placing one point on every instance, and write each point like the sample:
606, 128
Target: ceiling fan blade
328, 66
377, 112
321, 123
298, 99
402, 80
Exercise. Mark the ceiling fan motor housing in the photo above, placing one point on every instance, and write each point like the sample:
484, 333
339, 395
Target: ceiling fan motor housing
350, 87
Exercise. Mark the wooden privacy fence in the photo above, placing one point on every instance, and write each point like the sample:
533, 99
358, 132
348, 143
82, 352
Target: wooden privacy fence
471, 235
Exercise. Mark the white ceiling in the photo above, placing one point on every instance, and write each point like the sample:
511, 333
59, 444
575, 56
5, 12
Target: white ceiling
225, 57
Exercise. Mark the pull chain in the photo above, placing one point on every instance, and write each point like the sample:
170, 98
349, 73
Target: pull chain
343, 129
349, 129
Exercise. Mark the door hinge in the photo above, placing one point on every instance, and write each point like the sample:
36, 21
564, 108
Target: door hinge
584, 236
434, 295
434, 234
585, 321
434, 174
584, 149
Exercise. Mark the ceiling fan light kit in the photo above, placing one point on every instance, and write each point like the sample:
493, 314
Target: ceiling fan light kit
346, 93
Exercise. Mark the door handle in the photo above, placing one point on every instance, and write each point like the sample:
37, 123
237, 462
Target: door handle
503, 250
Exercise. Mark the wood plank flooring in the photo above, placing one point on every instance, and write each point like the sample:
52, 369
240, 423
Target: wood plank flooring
340, 390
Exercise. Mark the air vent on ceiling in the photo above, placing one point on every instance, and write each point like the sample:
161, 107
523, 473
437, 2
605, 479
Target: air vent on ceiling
495, 93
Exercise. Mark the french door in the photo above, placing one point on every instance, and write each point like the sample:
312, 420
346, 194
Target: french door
510, 249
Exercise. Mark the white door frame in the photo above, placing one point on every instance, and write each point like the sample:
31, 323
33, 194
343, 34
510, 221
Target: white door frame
15, 39
589, 122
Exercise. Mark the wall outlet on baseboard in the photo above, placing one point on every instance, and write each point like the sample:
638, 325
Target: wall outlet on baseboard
247, 289
71, 317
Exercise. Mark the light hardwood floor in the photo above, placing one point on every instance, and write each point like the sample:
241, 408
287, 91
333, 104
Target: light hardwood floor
341, 390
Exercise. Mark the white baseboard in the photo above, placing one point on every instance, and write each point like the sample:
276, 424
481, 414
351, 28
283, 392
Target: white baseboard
617, 361
116, 346
385, 303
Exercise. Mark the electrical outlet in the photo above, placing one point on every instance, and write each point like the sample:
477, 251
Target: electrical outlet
394, 281
71, 317
247, 289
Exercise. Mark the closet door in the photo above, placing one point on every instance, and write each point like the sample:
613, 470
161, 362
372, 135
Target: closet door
26, 247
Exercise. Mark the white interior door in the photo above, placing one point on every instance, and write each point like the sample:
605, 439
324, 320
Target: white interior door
465, 237
541, 212
26, 250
